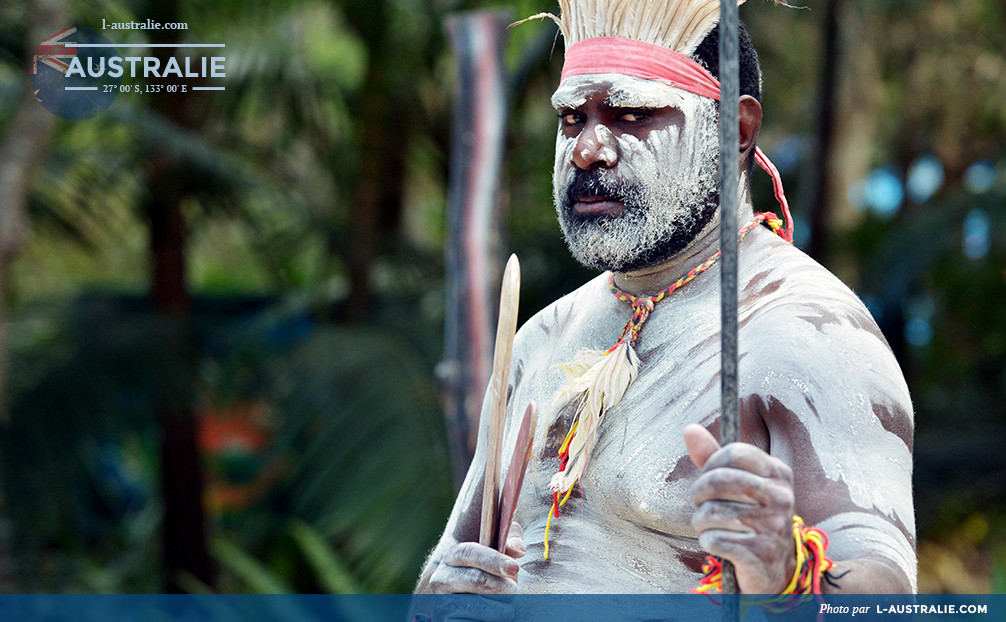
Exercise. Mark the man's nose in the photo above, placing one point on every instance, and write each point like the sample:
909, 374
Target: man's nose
595, 148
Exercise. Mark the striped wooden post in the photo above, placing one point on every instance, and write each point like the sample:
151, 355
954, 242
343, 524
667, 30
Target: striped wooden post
473, 223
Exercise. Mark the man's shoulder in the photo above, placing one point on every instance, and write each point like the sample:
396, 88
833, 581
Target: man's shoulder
800, 321
785, 289
548, 325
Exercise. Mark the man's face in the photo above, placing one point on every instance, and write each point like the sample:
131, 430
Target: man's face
636, 176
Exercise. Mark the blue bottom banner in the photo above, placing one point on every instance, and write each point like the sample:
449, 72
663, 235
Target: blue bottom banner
457, 608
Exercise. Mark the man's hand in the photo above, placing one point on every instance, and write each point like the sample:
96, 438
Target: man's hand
470, 568
744, 510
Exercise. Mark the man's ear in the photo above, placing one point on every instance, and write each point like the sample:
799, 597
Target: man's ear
750, 115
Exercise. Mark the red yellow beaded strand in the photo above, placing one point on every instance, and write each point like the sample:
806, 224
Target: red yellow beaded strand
812, 564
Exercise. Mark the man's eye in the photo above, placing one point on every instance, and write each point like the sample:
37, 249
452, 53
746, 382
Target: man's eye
570, 117
634, 117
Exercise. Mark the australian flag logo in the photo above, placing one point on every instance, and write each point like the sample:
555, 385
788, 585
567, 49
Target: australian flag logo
55, 52
72, 96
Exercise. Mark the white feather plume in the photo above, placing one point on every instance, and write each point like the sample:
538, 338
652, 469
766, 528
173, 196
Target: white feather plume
679, 25
598, 381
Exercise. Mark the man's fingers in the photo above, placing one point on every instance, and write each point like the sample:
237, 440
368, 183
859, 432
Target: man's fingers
727, 484
474, 555
470, 568
746, 550
740, 518
460, 580
749, 458
763, 565
732, 545
515, 546
700, 443
721, 515
744, 508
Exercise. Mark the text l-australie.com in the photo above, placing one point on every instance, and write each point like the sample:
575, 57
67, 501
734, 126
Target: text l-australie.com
147, 24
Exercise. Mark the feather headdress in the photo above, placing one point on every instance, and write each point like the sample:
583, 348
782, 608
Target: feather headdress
678, 25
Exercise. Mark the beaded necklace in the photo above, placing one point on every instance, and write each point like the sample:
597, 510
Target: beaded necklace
598, 380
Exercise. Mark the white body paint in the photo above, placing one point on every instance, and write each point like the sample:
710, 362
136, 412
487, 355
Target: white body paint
667, 185
814, 373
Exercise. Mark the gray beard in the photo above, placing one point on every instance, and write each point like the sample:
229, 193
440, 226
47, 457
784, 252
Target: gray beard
668, 184
650, 230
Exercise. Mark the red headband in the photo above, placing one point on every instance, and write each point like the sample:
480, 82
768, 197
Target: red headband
653, 62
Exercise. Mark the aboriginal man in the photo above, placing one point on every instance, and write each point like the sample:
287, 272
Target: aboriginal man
826, 420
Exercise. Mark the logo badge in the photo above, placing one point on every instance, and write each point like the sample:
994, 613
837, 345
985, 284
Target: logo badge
74, 96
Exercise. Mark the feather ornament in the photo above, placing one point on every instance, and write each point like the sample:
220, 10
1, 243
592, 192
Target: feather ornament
679, 25
596, 382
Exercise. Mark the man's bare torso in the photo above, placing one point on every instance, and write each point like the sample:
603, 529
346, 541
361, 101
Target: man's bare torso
820, 389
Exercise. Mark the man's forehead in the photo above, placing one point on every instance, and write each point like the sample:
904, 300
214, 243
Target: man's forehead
620, 91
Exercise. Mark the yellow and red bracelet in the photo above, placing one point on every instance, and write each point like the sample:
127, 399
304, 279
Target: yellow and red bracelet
811, 565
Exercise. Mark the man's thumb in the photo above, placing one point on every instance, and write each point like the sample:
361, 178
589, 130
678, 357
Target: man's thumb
700, 443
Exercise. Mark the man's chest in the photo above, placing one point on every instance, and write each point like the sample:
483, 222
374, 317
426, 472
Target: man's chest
629, 518
639, 471
627, 523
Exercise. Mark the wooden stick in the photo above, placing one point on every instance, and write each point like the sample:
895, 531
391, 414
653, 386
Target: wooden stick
499, 383
515, 473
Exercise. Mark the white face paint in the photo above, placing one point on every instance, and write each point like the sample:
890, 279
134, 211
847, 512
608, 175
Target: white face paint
665, 181
606, 139
623, 91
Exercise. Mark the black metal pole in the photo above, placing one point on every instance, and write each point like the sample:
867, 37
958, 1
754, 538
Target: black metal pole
729, 175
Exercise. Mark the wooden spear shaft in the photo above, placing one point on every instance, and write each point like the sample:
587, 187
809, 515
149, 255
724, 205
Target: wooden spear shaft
729, 55
499, 386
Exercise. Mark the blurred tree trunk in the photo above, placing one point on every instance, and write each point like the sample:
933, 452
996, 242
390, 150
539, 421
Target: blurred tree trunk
183, 529
821, 178
384, 134
21, 153
848, 113
380, 182
20, 156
